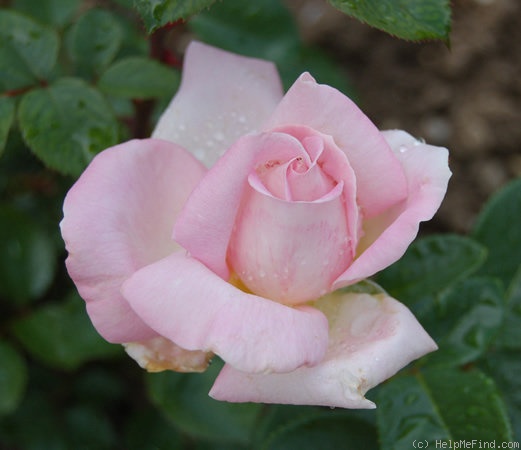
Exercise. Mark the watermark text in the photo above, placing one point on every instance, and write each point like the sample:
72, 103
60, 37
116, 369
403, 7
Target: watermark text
462, 443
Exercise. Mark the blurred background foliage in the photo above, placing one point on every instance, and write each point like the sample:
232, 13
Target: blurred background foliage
79, 76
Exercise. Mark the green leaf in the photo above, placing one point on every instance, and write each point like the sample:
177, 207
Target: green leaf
429, 266
93, 41
318, 428
66, 124
139, 77
498, 230
156, 13
7, 111
465, 321
505, 367
510, 336
184, 399
440, 405
407, 19
52, 12
61, 335
28, 51
27, 257
266, 29
13, 378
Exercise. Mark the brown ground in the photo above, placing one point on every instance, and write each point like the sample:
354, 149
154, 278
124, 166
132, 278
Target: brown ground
467, 99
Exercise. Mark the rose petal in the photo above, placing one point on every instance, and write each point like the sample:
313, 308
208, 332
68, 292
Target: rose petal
371, 338
158, 354
380, 179
222, 97
205, 225
118, 218
388, 236
290, 251
187, 303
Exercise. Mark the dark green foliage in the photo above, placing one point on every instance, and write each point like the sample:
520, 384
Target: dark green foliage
407, 19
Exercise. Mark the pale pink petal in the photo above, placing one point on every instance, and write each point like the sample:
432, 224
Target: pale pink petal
371, 338
206, 223
380, 179
159, 354
388, 236
308, 181
290, 251
118, 217
187, 303
222, 97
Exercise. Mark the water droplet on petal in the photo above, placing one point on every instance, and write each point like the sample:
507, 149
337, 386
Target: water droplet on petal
402, 149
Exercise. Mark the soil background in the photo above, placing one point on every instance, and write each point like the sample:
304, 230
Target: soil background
466, 97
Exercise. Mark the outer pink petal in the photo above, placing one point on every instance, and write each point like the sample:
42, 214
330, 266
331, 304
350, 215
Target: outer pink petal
187, 303
222, 97
118, 218
371, 338
389, 235
206, 223
380, 179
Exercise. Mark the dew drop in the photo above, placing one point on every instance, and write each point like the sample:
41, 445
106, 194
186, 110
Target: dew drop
402, 149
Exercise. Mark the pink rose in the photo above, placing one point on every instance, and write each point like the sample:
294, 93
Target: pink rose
303, 196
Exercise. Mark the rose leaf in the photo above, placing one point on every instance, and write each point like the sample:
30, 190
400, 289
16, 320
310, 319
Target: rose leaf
28, 51
497, 229
438, 405
413, 20
66, 124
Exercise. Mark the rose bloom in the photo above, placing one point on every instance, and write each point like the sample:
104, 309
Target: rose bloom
229, 231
